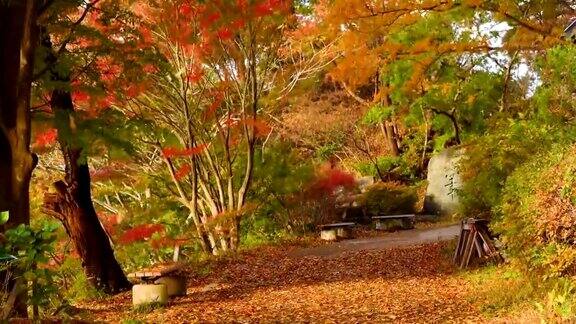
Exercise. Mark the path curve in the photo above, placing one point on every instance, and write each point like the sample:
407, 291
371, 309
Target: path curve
387, 241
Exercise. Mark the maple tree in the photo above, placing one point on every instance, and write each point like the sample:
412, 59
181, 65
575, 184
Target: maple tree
76, 73
207, 92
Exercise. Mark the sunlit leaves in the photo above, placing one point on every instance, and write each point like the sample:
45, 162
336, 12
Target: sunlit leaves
46, 138
4, 216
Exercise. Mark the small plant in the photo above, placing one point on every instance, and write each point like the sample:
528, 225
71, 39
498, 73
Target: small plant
147, 308
132, 321
73, 283
559, 304
31, 249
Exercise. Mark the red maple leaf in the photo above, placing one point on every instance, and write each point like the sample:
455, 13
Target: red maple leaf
185, 9
263, 9
237, 24
80, 96
46, 138
195, 75
140, 233
218, 98
210, 19
149, 68
224, 33
170, 152
183, 171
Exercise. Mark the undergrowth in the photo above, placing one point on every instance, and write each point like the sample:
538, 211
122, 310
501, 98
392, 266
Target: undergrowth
500, 291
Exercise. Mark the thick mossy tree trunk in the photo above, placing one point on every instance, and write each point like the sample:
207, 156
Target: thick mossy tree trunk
72, 204
18, 37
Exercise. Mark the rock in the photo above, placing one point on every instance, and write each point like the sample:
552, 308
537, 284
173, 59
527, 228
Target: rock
144, 294
443, 183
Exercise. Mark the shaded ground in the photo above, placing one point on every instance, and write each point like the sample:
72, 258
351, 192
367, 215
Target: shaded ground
290, 284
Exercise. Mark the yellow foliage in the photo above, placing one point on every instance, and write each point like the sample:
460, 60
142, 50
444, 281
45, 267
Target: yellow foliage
473, 3
423, 45
356, 67
446, 88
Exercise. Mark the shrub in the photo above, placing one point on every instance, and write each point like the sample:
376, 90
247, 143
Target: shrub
316, 203
491, 159
537, 216
32, 248
72, 282
262, 227
389, 198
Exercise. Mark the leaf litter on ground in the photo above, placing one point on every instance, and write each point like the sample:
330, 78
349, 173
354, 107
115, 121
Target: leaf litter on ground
269, 284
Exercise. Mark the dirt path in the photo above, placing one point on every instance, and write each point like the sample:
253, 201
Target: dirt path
388, 240
413, 284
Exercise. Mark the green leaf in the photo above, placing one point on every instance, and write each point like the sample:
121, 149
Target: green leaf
378, 114
4, 216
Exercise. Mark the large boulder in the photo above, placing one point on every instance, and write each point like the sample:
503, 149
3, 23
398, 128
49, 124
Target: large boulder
443, 182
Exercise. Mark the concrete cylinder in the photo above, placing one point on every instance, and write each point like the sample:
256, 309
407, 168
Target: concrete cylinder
343, 232
328, 234
149, 293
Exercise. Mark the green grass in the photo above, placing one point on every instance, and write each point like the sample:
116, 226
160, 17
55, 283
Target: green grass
147, 308
132, 321
501, 291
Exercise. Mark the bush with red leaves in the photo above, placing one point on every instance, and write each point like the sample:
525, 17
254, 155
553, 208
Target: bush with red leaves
317, 204
329, 181
46, 138
140, 233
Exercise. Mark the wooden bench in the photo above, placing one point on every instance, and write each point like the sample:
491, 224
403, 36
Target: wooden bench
406, 219
156, 272
331, 232
158, 283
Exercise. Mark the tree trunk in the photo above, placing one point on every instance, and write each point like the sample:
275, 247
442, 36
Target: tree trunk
235, 233
72, 205
18, 37
391, 137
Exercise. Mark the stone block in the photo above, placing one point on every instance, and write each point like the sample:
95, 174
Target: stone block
144, 294
328, 234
